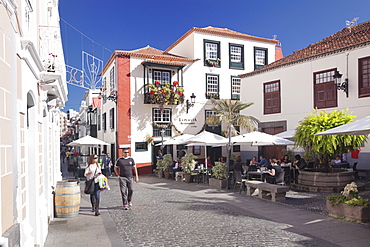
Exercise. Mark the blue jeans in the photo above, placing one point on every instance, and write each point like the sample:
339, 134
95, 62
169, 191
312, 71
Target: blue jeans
96, 194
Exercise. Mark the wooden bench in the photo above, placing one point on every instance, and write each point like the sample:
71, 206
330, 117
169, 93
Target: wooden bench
273, 192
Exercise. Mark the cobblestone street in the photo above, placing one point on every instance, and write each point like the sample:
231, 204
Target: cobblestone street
194, 216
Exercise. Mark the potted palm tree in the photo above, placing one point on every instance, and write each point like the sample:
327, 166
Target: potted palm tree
187, 165
228, 112
219, 176
349, 205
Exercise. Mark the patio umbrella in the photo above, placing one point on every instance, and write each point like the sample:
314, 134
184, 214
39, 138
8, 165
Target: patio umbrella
205, 139
257, 138
87, 141
289, 134
176, 140
359, 127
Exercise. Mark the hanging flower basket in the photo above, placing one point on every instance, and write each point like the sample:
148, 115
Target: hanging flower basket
149, 139
165, 93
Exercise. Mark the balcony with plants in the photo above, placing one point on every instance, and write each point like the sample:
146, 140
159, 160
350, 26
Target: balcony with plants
164, 94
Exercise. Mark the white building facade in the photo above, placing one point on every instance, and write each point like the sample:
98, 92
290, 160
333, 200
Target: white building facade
285, 92
32, 90
204, 62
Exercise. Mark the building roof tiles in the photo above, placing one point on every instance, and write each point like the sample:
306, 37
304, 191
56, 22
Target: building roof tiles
222, 32
347, 38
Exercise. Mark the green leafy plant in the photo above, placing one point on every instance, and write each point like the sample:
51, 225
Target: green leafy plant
349, 196
326, 146
188, 162
160, 165
149, 139
167, 162
219, 170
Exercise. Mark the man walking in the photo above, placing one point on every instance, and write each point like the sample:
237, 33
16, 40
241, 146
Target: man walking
123, 169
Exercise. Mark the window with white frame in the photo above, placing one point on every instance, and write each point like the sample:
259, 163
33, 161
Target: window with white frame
112, 79
260, 57
162, 76
236, 56
210, 113
212, 86
162, 121
235, 87
212, 53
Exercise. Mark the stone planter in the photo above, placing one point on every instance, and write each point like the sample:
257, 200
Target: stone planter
319, 180
357, 213
218, 183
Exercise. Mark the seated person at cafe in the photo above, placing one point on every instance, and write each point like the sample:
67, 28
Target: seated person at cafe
208, 162
299, 163
337, 160
275, 168
263, 162
253, 161
285, 161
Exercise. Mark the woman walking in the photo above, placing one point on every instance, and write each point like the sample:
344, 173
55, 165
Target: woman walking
92, 171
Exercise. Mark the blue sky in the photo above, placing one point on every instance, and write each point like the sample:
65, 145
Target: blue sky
132, 24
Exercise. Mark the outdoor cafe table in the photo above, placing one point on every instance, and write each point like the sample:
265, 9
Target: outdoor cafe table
256, 174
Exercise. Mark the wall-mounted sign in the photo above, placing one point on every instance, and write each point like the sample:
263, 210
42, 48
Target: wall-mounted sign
187, 121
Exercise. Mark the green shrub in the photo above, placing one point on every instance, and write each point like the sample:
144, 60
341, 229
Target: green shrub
219, 170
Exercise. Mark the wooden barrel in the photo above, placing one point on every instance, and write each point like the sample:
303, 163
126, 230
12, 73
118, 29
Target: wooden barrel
67, 198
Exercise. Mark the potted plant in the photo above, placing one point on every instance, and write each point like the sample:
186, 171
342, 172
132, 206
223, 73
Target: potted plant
149, 139
349, 205
160, 168
219, 176
167, 165
187, 165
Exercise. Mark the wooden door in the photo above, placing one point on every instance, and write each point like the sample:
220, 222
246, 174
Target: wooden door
276, 150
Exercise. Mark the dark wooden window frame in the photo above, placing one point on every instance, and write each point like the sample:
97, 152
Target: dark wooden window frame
363, 91
141, 146
330, 86
277, 94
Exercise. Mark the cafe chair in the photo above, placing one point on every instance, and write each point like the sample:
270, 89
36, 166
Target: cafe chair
238, 181
279, 178
355, 172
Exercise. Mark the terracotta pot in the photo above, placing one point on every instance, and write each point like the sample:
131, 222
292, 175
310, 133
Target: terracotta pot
166, 174
357, 213
160, 174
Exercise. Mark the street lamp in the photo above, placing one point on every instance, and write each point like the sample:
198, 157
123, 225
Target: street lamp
341, 86
190, 103
162, 135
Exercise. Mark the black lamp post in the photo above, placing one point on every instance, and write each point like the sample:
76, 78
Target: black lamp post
162, 135
341, 85
190, 103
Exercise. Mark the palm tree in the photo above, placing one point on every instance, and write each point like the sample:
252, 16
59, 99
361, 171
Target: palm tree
228, 112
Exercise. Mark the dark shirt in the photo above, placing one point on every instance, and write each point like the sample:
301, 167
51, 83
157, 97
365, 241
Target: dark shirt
277, 169
301, 164
125, 166
238, 167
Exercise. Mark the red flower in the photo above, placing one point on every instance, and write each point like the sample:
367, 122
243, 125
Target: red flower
175, 83
157, 82
164, 92
180, 93
151, 92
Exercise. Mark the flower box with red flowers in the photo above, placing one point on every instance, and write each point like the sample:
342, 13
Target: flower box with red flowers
164, 93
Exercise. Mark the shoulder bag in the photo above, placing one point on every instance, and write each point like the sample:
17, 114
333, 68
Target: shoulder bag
90, 185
